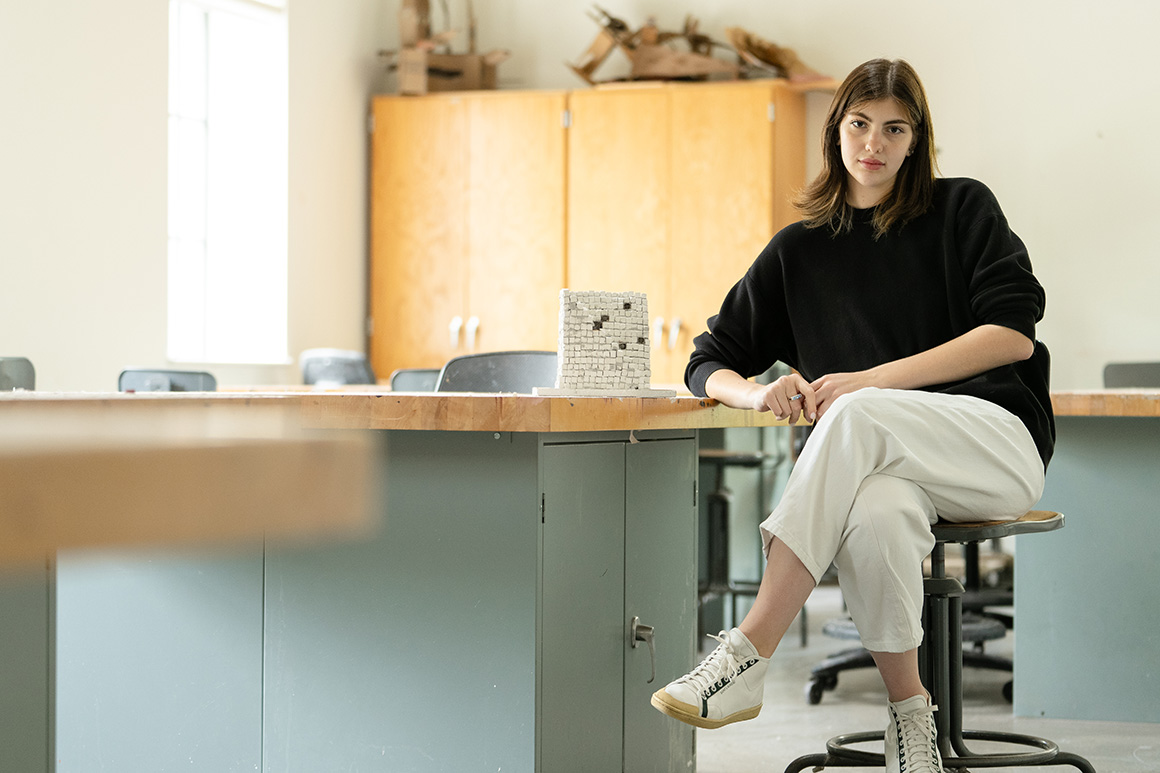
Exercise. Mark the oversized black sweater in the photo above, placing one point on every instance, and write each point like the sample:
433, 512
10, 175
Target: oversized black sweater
829, 304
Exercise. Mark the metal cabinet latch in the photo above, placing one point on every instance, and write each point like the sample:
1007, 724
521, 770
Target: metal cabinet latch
644, 633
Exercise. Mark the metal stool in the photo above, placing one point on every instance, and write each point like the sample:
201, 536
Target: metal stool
717, 581
941, 663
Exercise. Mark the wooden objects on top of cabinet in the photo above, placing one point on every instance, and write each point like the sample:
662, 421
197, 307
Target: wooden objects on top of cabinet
467, 235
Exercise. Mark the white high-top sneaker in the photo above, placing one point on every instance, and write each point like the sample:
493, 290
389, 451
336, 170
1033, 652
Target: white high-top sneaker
911, 746
727, 687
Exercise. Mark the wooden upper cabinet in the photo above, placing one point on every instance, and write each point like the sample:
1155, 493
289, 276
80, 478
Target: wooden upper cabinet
484, 206
467, 225
418, 236
738, 158
673, 189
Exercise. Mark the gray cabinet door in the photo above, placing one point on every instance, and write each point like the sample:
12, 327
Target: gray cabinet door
25, 670
582, 635
619, 541
661, 589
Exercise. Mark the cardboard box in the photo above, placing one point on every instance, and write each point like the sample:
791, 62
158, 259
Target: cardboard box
421, 72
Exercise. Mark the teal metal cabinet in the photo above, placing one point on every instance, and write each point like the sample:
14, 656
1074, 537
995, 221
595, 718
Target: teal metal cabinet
485, 625
619, 524
26, 679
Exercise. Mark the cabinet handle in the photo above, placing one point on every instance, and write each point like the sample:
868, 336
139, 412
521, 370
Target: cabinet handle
453, 329
674, 332
472, 327
644, 633
658, 331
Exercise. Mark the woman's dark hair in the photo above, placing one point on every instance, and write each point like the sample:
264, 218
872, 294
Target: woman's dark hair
823, 202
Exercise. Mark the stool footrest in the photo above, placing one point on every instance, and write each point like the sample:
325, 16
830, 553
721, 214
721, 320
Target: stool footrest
840, 754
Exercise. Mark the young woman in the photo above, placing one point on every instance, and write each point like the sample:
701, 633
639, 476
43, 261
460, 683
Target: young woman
907, 309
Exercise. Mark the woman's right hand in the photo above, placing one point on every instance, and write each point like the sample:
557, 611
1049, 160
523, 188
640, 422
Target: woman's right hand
789, 397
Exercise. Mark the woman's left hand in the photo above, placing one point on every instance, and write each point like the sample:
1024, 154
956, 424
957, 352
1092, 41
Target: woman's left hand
831, 386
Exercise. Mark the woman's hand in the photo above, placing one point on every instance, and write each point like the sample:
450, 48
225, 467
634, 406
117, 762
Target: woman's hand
730, 389
790, 397
831, 386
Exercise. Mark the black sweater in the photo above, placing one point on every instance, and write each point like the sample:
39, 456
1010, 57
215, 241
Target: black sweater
829, 304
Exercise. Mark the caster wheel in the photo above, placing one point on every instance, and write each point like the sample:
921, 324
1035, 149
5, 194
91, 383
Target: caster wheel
1009, 692
814, 690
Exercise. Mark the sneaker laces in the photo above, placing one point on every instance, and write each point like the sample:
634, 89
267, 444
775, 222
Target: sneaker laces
916, 736
722, 664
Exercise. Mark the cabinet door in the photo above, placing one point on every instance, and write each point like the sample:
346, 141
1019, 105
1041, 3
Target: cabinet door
660, 587
580, 722
723, 206
516, 219
618, 196
419, 229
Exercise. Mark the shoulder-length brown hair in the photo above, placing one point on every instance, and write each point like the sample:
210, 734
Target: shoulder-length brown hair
823, 202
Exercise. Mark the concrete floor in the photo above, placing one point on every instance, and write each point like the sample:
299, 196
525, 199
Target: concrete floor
789, 727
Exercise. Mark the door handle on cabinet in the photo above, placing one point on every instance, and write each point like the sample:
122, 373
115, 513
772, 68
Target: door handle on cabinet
453, 330
658, 331
674, 332
644, 633
472, 327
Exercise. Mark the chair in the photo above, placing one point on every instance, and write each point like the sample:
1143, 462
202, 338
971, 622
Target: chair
941, 664
1132, 374
519, 372
334, 367
415, 380
16, 373
147, 380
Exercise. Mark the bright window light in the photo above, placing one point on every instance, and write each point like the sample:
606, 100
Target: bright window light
227, 181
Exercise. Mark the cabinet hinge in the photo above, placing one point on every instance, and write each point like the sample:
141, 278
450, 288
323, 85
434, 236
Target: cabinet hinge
771, 111
695, 494
566, 119
541, 508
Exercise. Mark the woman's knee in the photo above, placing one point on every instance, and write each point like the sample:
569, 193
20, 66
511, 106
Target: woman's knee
890, 520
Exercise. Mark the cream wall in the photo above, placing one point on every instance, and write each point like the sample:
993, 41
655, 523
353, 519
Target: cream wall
1048, 102
83, 183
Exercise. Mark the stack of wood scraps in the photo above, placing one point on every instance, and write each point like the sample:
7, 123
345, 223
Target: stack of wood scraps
425, 62
688, 54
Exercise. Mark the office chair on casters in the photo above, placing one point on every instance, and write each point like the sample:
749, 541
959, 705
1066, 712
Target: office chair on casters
941, 664
16, 373
149, 380
516, 371
334, 367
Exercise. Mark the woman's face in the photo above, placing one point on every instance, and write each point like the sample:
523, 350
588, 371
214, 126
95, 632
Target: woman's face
876, 137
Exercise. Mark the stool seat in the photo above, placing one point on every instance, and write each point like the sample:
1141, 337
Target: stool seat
941, 664
732, 458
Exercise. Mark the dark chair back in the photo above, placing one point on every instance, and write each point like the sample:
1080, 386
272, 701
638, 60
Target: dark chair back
518, 372
149, 380
16, 373
415, 380
335, 367
1132, 374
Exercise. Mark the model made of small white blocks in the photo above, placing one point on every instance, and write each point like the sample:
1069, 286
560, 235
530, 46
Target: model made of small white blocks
604, 341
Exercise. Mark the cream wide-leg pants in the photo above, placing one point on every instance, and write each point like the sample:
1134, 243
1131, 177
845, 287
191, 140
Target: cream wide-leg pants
880, 466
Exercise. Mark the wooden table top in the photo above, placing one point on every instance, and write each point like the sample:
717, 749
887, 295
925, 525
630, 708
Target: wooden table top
89, 469
1107, 402
134, 470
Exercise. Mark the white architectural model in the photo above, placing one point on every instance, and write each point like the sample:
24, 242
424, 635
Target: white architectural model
603, 345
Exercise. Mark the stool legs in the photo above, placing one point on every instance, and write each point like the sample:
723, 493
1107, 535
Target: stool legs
941, 665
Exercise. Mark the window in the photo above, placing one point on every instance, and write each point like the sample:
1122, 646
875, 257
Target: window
227, 181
